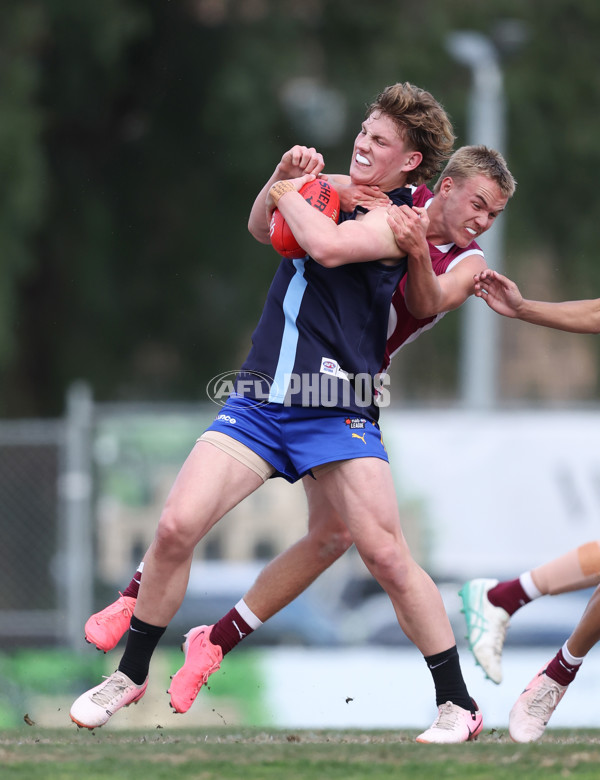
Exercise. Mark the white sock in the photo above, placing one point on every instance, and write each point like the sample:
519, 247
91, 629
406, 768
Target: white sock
247, 614
138, 573
571, 659
529, 586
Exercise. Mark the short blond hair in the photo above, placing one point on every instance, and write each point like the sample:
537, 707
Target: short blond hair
469, 161
422, 122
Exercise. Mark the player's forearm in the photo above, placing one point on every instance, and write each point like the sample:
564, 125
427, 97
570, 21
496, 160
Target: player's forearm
258, 222
315, 233
332, 245
423, 293
572, 316
339, 180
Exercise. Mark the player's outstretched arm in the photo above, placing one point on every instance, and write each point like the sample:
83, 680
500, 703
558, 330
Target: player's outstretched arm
297, 161
499, 292
503, 296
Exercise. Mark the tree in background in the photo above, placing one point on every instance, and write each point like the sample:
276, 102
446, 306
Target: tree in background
135, 135
23, 168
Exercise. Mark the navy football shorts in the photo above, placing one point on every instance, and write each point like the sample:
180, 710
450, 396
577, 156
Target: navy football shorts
296, 439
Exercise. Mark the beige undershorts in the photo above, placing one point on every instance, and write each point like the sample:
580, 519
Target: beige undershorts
249, 458
240, 452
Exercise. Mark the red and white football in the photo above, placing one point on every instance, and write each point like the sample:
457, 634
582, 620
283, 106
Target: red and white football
322, 196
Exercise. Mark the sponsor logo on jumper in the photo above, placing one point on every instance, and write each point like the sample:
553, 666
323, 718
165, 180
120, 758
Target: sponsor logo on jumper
226, 418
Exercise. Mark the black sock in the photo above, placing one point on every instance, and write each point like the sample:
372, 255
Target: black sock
142, 639
448, 680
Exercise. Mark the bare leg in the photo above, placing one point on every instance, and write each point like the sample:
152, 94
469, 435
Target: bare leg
279, 583
587, 631
364, 492
209, 484
488, 604
536, 704
292, 571
577, 569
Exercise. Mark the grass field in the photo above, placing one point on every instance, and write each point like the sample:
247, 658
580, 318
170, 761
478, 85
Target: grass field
39, 686
230, 754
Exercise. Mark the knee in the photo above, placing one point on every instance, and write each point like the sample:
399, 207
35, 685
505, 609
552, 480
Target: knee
389, 564
331, 543
174, 536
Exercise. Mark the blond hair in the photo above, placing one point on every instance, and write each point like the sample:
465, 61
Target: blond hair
422, 123
469, 161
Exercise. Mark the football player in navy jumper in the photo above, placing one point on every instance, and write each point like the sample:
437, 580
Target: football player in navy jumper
324, 324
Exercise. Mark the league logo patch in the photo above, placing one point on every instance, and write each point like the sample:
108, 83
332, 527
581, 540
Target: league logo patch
332, 368
355, 422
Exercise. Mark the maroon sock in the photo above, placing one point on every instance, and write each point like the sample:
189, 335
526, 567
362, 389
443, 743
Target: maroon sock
229, 630
508, 595
133, 588
560, 670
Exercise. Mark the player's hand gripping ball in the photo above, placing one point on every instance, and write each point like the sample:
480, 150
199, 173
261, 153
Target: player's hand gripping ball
322, 196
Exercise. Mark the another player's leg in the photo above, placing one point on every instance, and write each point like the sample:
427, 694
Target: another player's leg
534, 707
364, 492
209, 484
279, 583
104, 629
489, 604
486, 625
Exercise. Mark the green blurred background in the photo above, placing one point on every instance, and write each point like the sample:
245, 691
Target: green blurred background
134, 135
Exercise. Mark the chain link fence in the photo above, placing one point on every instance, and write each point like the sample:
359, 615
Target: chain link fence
80, 498
45, 518
31, 454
